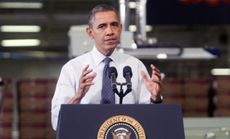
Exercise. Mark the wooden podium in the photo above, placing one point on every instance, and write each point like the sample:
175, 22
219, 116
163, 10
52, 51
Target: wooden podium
142, 121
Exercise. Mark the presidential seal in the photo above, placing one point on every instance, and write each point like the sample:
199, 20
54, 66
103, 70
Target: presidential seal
121, 127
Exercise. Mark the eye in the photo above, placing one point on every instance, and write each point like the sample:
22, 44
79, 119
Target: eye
115, 24
101, 26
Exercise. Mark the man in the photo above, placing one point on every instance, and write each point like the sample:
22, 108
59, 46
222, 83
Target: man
80, 81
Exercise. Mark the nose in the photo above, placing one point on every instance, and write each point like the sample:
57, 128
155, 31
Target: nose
109, 31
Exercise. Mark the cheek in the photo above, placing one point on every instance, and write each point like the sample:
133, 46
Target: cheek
99, 37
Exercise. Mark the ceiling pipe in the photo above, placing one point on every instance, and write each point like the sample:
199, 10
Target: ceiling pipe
141, 20
124, 12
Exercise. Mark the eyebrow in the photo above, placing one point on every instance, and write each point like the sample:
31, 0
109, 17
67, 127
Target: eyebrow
114, 22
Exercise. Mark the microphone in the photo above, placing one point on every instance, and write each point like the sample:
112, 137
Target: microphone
127, 73
113, 77
1, 81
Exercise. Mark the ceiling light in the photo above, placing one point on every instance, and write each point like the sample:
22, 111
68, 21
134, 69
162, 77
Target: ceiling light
162, 56
162, 53
134, 45
133, 28
132, 5
21, 5
220, 71
20, 42
76, 28
197, 53
148, 28
152, 41
22, 28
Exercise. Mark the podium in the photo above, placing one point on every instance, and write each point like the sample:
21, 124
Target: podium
127, 121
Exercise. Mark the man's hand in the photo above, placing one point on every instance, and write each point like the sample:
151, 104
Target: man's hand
85, 81
154, 83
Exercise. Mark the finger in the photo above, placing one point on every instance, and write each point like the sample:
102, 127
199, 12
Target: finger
154, 68
85, 85
87, 72
84, 71
87, 82
156, 76
89, 76
155, 73
86, 67
158, 82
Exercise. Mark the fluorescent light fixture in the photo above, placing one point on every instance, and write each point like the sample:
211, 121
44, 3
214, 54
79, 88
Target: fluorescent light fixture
134, 45
20, 42
21, 5
77, 28
152, 40
133, 28
20, 28
132, 5
148, 28
154, 52
220, 71
196, 53
210, 135
162, 56
170, 53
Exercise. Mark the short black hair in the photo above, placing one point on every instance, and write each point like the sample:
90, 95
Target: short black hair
101, 8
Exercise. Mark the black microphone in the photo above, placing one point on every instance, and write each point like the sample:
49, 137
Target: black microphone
127, 73
1, 81
113, 77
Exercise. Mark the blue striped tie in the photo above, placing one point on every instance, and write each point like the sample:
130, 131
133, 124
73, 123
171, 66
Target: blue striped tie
107, 95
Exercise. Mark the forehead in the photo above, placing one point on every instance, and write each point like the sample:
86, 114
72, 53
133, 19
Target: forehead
105, 17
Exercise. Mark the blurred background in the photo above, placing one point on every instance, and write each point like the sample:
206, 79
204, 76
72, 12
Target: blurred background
188, 40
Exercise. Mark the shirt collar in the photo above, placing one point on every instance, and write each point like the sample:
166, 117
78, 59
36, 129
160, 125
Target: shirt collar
99, 57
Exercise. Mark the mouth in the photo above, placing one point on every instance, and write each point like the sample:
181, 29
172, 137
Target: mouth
111, 41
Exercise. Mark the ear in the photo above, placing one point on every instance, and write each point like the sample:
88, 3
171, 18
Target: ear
89, 32
121, 26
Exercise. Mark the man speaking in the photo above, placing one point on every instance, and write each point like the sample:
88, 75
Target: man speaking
85, 79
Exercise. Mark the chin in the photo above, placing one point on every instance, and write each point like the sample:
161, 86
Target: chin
110, 51
111, 46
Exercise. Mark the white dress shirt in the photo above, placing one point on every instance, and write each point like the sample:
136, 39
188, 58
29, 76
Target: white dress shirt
68, 81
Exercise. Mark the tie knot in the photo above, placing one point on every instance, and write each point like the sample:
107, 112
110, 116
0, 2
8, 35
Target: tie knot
107, 60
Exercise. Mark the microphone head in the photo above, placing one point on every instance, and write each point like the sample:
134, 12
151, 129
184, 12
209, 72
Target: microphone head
127, 70
1, 81
112, 70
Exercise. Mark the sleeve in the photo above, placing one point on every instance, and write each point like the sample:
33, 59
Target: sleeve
65, 90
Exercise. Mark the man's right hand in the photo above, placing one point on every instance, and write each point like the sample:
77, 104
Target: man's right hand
85, 81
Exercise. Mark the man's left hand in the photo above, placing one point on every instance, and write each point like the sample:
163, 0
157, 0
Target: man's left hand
154, 83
